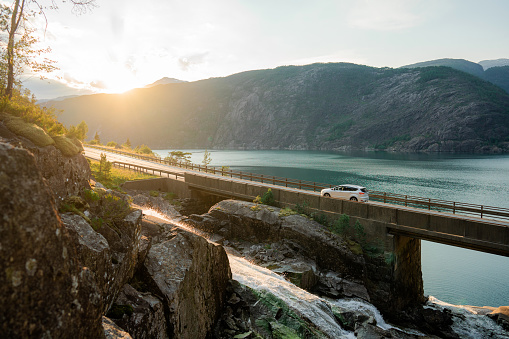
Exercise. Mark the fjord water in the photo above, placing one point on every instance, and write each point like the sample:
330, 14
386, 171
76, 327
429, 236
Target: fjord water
451, 274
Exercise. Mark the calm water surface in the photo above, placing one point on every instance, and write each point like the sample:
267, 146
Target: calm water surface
451, 274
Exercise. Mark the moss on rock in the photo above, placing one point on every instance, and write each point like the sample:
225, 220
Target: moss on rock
66, 146
30, 131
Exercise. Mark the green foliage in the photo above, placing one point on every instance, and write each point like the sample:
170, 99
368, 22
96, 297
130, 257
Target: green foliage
104, 166
97, 139
154, 193
143, 149
268, 198
175, 157
79, 132
302, 208
117, 176
91, 196
339, 129
342, 225
224, 169
207, 159
111, 144
284, 212
127, 144
427, 74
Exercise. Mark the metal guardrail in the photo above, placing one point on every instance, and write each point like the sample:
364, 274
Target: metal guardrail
385, 197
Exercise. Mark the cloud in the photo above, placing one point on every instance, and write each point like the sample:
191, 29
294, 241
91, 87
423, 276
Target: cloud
384, 15
99, 84
186, 62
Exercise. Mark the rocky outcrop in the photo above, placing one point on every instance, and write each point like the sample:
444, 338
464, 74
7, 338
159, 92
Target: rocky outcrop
295, 246
114, 260
190, 275
44, 290
65, 175
139, 313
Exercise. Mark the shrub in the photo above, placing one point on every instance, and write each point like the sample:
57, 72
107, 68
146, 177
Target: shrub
111, 144
91, 196
268, 198
154, 193
342, 225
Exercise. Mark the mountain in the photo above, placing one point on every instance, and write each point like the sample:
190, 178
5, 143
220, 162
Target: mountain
335, 106
459, 64
165, 81
493, 71
486, 64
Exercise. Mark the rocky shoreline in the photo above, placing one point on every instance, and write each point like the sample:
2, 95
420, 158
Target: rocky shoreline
83, 261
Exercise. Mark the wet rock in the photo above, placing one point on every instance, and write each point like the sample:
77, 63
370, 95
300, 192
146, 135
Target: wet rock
44, 290
501, 316
190, 275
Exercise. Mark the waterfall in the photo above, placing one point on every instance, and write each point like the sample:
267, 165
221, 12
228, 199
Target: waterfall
468, 322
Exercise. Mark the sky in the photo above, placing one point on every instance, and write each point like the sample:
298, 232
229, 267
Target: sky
124, 44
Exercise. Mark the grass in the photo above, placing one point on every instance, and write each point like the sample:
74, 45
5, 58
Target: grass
117, 176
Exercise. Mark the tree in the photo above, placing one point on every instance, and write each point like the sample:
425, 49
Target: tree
178, 156
127, 144
79, 132
97, 139
104, 165
207, 159
19, 52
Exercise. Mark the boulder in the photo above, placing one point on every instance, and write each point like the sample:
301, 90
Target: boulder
111, 254
190, 275
65, 175
145, 318
44, 290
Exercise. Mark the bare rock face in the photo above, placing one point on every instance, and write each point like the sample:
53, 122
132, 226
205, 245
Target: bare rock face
65, 176
44, 291
299, 248
140, 314
112, 260
190, 275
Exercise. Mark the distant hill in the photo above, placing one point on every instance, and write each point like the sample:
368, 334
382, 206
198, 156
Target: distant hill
459, 64
486, 64
336, 106
165, 81
489, 70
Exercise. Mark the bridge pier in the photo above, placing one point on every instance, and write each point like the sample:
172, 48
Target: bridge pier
406, 265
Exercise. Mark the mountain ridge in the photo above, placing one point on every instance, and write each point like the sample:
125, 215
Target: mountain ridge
335, 106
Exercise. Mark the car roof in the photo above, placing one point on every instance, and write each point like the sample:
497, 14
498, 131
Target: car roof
353, 186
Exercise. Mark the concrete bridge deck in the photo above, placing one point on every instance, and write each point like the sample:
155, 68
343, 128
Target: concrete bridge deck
380, 220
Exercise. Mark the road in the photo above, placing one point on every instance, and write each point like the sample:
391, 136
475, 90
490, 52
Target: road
96, 154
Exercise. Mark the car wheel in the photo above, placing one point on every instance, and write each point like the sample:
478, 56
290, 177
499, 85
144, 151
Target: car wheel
353, 199
326, 195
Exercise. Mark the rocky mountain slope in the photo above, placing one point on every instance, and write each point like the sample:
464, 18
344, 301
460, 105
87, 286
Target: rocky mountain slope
321, 106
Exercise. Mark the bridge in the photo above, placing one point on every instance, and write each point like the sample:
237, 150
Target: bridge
393, 223
476, 227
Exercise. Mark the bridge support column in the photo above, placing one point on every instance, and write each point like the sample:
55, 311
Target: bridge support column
408, 285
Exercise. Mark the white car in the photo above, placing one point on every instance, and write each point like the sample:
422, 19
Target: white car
350, 192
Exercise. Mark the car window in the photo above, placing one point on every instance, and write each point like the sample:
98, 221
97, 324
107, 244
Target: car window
364, 190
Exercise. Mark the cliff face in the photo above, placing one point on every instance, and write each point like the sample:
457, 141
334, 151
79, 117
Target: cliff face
319, 106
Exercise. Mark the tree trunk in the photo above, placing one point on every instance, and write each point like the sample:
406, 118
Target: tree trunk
17, 14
